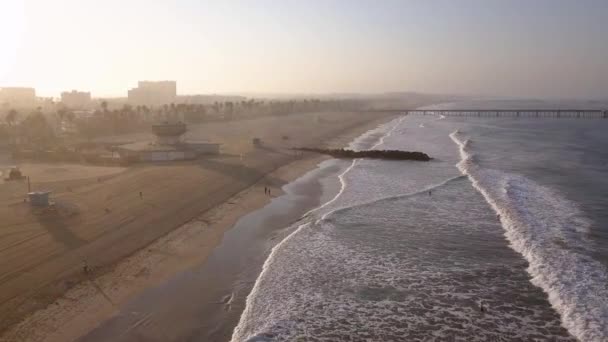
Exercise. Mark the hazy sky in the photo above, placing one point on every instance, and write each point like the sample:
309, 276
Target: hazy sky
533, 48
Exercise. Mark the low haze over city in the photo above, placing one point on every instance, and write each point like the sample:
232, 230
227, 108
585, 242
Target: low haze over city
547, 48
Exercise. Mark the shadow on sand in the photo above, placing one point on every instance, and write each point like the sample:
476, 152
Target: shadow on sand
57, 226
242, 172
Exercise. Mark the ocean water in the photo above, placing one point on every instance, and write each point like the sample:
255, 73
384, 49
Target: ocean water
502, 237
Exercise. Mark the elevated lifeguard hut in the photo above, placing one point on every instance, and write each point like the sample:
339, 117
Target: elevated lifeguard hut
167, 146
169, 133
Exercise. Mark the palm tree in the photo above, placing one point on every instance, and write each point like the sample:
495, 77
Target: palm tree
127, 108
11, 120
61, 114
229, 109
11, 117
70, 116
37, 129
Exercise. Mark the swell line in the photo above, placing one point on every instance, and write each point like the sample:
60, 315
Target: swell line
396, 197
389, 133
342, 176
533, 217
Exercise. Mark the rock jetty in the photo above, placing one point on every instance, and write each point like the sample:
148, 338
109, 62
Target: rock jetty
372, 154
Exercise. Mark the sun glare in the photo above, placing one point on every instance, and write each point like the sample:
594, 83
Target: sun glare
12, 29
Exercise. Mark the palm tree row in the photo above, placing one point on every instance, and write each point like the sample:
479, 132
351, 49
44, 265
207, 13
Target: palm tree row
128, 118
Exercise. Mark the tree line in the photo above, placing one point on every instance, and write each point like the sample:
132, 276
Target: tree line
40, 129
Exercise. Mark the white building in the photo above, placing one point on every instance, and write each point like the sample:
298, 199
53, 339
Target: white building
18, 96
153, 93
76, 99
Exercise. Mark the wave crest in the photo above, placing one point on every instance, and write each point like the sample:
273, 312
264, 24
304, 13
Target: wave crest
549, 231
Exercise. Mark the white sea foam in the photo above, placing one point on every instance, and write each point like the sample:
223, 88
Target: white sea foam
331, 279
246, 324
393, 126
375, 137
549, 231
386, 130
427, 189
327, 284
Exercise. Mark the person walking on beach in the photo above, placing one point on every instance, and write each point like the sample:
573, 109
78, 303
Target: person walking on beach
141, 195
430, 192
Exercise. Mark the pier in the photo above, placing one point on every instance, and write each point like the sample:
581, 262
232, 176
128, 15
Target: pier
509, 113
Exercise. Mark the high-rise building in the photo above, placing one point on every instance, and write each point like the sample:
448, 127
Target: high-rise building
18, 96
76, 99
153, 93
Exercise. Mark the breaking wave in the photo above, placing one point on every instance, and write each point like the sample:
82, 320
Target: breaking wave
549, 231
410, 266
371, 139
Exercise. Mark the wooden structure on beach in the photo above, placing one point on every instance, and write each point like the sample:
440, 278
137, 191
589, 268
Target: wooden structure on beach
512, 113
39, 198
168, 146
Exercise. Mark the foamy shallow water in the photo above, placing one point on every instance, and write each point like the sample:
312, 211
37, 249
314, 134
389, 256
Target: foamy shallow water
416, 251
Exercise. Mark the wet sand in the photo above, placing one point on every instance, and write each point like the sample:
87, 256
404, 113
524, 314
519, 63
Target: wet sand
205, 302
215, 191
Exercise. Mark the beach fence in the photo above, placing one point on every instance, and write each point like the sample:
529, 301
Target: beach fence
510, 113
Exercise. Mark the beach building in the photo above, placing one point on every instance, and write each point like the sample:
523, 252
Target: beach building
76, 99
168, 146
18, 96
153, 93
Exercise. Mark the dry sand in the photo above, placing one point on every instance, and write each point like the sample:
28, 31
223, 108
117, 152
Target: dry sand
41, 258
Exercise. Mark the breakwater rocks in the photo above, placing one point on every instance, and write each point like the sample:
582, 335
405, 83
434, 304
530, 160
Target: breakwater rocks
373, 154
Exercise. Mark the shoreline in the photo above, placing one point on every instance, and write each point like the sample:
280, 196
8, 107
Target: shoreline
205, 302
91, 302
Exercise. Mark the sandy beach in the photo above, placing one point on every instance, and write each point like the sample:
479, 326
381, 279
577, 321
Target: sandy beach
130, 242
